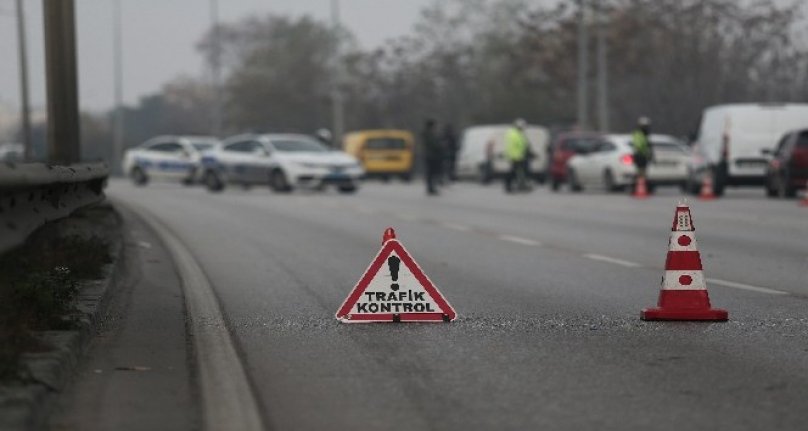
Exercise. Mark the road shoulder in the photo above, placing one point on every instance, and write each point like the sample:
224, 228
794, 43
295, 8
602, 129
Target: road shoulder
138, 372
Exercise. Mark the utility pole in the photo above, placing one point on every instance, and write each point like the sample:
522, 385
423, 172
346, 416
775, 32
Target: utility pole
603, 68
338, 128
25, 107
62, 81
583, 67
117, 50
216, 70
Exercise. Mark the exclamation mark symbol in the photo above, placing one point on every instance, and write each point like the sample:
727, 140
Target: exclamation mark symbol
393, 263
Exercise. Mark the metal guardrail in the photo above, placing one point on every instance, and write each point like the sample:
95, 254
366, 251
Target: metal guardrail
32, 194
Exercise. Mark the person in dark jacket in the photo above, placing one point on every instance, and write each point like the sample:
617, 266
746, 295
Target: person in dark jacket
451, 145
433, 156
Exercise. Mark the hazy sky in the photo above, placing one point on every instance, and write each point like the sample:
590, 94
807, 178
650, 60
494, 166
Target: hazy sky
159, 38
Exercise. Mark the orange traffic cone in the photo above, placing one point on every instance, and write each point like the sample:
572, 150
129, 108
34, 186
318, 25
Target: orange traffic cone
706, 193
640, 188
684, 293
804, 201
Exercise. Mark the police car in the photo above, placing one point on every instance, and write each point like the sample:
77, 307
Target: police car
283, 161
172, 158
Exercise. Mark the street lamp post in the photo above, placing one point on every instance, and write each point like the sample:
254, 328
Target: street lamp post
603, 69
336, 92
25, 108
583, 66
216, 70
117, 152
62, 81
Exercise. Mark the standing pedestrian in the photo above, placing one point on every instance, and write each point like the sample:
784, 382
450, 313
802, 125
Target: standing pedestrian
516, 151
433, 156
451, 145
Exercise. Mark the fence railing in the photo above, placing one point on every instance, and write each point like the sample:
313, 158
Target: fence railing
32, 194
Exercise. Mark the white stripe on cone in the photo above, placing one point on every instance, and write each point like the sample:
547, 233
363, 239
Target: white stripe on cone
683, 241
683, 280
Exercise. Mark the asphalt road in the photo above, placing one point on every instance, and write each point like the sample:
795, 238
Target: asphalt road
548, 288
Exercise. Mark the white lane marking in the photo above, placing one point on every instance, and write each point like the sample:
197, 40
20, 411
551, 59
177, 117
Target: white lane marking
455, 226
228, 402
621, 262
519, 240
742, 286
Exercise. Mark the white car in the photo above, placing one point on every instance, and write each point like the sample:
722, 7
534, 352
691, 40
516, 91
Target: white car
610, 164
482, 152
172, 158
283, 161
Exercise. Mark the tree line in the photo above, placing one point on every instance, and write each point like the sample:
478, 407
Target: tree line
484, 61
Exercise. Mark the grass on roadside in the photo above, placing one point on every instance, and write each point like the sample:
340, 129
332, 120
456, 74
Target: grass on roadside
38, 286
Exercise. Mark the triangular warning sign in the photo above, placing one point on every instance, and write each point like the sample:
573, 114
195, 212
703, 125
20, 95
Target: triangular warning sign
395, 289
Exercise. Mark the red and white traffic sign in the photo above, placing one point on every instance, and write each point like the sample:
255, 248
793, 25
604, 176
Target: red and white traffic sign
395, 289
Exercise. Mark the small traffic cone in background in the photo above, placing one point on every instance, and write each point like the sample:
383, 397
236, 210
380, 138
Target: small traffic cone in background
640, 188
804, 201
684, 293
707, 193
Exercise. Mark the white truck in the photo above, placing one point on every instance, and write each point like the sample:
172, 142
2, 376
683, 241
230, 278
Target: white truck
734, 141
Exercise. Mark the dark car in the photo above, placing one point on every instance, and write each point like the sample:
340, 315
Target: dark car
565, 146
788, 170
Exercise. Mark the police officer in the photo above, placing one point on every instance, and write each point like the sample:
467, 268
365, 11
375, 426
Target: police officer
516, 151
643, 151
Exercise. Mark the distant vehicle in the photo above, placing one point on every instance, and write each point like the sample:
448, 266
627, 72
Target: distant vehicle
788, 170
171, 158
383, 153
610, 164
481, 155
282, 161
733, 140
565, 146
12, 152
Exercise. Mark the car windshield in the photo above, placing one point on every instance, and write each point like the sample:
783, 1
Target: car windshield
299, 146
202, 145
385, 144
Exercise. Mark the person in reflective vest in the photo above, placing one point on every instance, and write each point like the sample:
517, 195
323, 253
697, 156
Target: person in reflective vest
643, 151
516, 152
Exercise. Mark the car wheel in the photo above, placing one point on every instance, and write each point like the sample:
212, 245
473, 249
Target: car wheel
278, 182
608, 181
406, 177
555, 184
348, 188
784, 187
139, 177
212, 181
575, 185
771, 189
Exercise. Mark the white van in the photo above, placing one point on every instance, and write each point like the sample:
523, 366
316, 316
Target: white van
481, 155
733, 141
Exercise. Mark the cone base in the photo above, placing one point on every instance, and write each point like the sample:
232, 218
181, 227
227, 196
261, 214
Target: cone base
712, 314
707, 198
